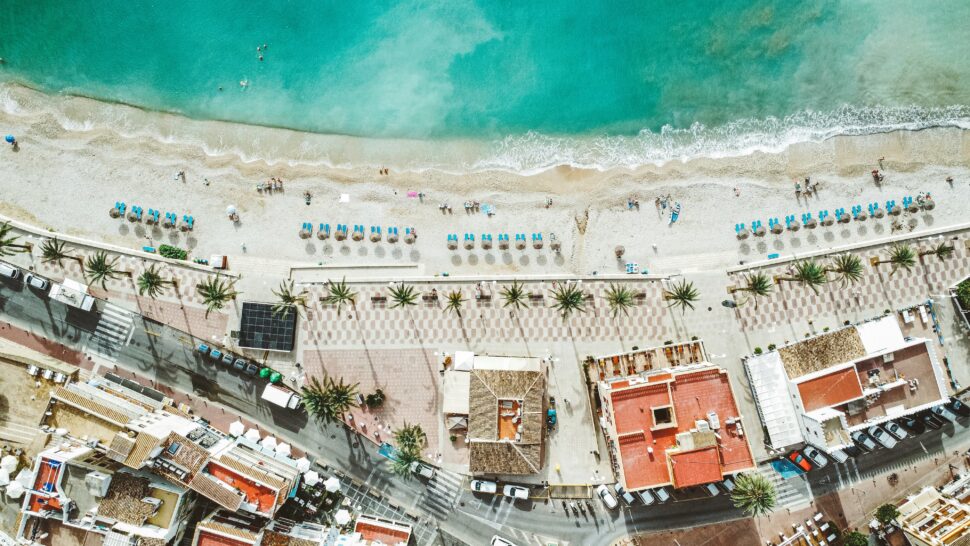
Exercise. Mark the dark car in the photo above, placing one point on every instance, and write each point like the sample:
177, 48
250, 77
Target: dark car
958, 407
800, 461
932, 421
251, 369
911, 425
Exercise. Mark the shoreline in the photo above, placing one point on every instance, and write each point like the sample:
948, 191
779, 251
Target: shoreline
274, 147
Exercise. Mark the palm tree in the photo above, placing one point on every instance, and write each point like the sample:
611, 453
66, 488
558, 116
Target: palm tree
620, 299
514, 296
339, 294
753, 494
52, 250
8, 243
151, 281
288, 299
847, 268
901, 256
756, 284
455, 301
569, 299
403, 295
216, 292
401, 463
99, 268
410, 437
808, 273
328, 401
682, 294
941, 251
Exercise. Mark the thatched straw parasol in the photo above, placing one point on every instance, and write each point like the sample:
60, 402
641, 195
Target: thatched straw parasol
862, 215
794, 225
409, 237
357, 235
828, 221
878, 213
743, 233
304, 233
452, 244
340, 235
469, 244
322, 234
520, 244
811, 223
913, 207
392, 237
619, 251
114, 212
760, 231
487, 244
555, 245
167, 222
844, 219
503, 244
375, 236
928, 204
184, 226
897, 210
132, 217
777, 228
537, 244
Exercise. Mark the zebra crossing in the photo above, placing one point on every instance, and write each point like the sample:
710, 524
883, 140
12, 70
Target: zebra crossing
442, 492
793, 493
114, 330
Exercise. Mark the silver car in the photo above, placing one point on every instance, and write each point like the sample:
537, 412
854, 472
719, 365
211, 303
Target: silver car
814, 455
896, 430
882, 437
864, 441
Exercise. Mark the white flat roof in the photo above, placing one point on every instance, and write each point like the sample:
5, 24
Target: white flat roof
769, 384
456, 386
508, 363
880, 335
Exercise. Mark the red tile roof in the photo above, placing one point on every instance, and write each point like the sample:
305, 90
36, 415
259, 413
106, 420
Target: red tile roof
210, 539
692, 396
831, 389
384, 534
696, 467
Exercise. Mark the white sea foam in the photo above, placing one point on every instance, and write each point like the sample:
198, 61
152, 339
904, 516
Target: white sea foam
527, 153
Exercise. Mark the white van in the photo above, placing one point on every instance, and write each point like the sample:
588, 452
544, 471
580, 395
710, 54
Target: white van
281, 396
9, 271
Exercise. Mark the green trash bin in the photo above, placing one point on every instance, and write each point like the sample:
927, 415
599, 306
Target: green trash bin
265, 372
276, 377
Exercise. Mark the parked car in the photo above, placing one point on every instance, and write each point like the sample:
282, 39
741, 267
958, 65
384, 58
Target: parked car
37, 283
881, 436
840, 455
227, 359
912, 425
799, 460
515, 491
943, 413
864, 441
815, 456
624, 494
608, 499
897, 431
661, 494
482, 486
251, 369
711, 489
955, 405
646, 497
239, 365
423, 470
728, 485
932, 421
9, 271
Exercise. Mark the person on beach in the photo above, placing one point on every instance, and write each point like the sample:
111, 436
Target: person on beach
949, 180
737, 191
881, 159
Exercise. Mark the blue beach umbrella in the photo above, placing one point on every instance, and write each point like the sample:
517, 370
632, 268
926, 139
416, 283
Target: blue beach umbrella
10, 139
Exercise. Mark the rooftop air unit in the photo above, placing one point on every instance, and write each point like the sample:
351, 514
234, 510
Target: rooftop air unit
97, 483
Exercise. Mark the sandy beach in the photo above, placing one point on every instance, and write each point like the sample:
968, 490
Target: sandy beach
68, 172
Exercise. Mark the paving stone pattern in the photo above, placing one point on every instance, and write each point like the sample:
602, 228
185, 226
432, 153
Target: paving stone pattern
877, 290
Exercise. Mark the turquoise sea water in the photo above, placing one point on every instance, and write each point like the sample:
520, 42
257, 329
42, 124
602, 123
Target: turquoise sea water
602, 83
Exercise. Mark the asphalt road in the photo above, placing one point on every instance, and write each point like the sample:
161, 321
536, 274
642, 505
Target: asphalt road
168, 356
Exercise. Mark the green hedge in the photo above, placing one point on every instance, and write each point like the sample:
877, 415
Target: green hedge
963, 294
173, 252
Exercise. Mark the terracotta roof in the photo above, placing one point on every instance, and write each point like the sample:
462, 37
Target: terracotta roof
695, 467
487, 452
189, 455
273, 538
230, 530
213, 490
90, 406
123, 499
144, 445
253, 472
121, 446
831, 389
504, 458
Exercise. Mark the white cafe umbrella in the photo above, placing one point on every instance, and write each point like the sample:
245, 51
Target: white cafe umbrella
311, 478
252, 434
236, 428
4, 478
269, 442
15, 490
283, 448
231, 209
303, 464
332, 484
26, 478
342, 517
8, 463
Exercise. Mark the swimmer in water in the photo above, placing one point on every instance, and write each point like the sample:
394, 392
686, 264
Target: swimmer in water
243, 83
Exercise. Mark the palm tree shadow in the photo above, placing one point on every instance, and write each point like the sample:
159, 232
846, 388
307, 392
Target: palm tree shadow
525, 339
